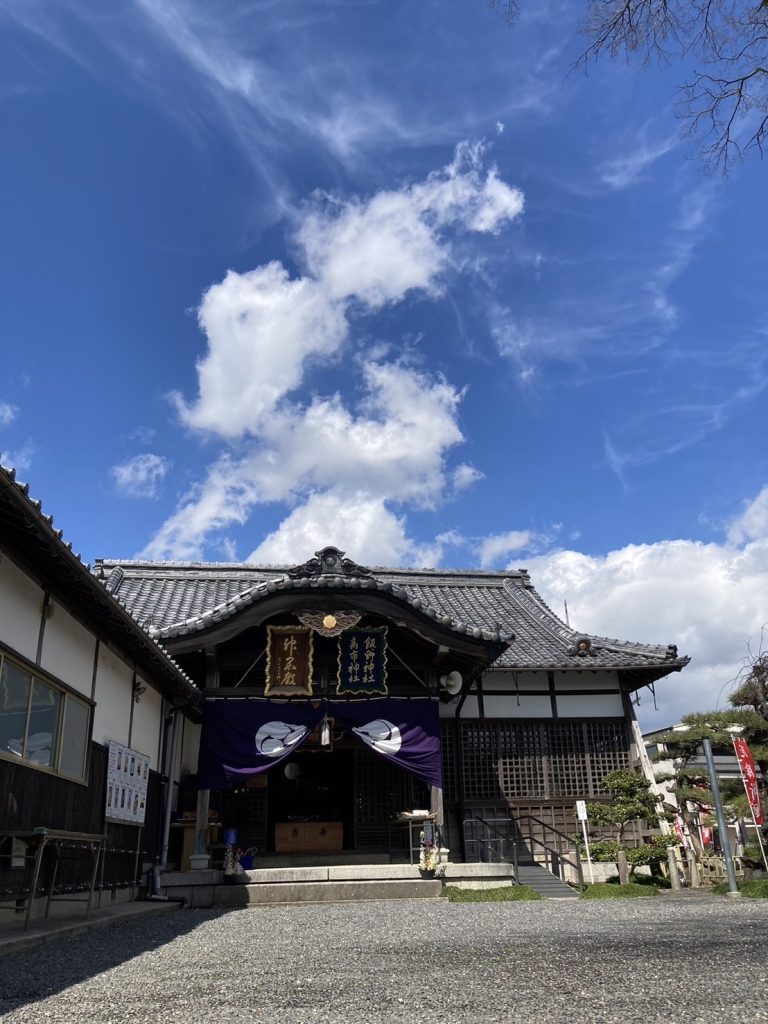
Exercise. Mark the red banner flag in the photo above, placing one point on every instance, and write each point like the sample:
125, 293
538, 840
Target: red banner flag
749, 776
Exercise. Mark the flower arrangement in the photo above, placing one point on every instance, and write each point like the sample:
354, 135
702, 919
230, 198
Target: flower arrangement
429, 852
232, 864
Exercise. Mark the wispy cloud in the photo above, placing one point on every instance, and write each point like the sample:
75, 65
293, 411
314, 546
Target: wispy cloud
737, 375
627, 169
8, 413
141, 476
19, 459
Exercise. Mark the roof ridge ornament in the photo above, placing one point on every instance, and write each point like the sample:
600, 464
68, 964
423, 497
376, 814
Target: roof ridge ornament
328, 561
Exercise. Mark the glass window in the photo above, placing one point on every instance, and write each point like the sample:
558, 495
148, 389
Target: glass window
43, 729
15, 686
74, 738
42, 724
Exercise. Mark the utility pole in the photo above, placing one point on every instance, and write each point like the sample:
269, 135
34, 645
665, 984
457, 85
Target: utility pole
722, 828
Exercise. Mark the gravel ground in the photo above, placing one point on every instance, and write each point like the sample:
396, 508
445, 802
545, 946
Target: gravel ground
648, 960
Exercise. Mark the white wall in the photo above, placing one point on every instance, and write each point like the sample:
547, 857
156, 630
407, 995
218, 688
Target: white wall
510, 703
606, 705
469, 709
506, 681
535, 706
114, 694
21, 603
595, 680
147, 721
68, 650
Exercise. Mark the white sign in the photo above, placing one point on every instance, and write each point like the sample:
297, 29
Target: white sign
127, 778
581, 810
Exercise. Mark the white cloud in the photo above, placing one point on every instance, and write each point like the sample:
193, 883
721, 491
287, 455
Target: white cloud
358, 523
495, 548
20, 459
752, 524
464, 476
263, 327
8, 413
709, 599
391, 448
141, 476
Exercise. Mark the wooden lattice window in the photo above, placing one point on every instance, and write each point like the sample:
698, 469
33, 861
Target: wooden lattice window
517, 759
521, 759
608, 747
568, 759
480, 759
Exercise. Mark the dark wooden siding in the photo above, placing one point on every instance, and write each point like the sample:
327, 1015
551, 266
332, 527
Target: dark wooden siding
30, 798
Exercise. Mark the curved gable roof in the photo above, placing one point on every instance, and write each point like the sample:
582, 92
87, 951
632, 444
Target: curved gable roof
179, 599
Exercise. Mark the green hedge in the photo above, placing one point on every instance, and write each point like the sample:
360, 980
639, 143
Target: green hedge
756, 890
611, 891
502, 894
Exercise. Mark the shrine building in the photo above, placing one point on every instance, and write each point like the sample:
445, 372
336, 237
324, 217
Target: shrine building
337, 696
149, 711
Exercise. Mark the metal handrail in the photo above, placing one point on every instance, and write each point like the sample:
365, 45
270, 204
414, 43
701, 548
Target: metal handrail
556, 859
557, 852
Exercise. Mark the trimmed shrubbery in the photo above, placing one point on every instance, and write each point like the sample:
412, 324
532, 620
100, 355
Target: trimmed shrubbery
611, 891
502, 894
756, 889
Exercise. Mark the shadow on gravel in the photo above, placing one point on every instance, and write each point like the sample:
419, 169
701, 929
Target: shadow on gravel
42, 971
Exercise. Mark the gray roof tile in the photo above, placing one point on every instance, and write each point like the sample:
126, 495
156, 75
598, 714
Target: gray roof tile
174, 599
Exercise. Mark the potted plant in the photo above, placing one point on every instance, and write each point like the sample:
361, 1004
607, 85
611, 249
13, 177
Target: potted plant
429, 853
232, 866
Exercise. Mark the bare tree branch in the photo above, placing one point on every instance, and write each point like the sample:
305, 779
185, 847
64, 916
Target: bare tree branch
726, 103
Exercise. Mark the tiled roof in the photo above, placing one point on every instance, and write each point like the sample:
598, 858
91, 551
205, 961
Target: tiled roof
175, 599
28, 534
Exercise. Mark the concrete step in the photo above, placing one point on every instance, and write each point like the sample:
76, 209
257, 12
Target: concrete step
325, 892
332, 873
298, 860
544, 882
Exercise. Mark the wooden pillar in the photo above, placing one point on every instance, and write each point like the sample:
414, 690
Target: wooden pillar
201, 858
436, 807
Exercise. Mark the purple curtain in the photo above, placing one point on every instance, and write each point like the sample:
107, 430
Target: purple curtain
244, 737
406, 732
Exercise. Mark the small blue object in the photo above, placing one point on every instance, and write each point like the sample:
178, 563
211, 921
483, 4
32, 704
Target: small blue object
230, 836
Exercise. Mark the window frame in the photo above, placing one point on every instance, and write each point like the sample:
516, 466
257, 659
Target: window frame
68, 693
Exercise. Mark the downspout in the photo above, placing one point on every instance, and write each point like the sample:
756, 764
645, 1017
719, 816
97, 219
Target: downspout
176, 722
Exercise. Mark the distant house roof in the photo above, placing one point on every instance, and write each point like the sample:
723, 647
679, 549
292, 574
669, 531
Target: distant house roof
29, 538
174, 599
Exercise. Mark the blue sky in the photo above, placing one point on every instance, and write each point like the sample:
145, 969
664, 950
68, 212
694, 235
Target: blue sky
389, 276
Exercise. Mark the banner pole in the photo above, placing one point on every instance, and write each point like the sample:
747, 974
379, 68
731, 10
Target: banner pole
749, 801
589, 855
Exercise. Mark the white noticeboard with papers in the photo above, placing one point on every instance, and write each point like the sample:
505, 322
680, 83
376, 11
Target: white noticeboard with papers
127, 778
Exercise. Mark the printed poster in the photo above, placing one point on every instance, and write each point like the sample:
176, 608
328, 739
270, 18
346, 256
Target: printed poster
127, 780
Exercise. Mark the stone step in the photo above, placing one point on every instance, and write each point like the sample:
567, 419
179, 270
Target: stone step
374, 872
325, 892
544, 882
332, 873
